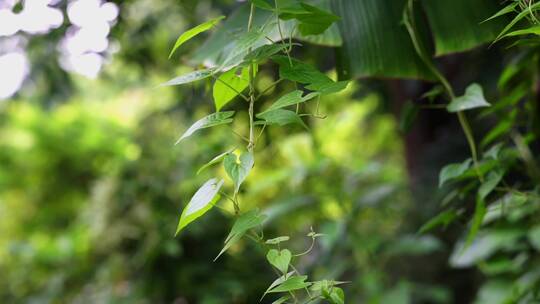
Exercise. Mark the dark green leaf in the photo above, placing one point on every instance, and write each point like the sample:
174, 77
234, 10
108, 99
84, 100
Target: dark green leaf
442, 219
408, 116
473, 98
281, 117
311, 20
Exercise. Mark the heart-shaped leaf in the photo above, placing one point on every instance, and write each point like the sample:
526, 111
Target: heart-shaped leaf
238, 168
279, 259
202, 201
473, 98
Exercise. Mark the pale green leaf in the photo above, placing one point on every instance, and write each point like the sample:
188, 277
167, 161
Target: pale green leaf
279, 259
214, 161
290, 284
453, 171
211, 120
523, 14
264, 4
246, 221
228, 85
189, 77
277, 240
473, 98
238, 168
281, 300
187, 35
202, 201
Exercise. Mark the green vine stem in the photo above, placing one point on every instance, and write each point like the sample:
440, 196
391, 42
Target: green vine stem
410, 24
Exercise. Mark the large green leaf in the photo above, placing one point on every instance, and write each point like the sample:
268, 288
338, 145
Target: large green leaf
311, 19
187, 35
281, 117
457, 25
228, 85
202, 201
223, 41
377, 44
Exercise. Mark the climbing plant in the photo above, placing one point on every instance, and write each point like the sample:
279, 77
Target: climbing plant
234, 78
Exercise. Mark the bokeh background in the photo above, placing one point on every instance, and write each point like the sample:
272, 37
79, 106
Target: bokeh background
91, 185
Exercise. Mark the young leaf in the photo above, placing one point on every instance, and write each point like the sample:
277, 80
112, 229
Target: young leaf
334, 295
228, 85
442, 219
214, 160
311, 20
453, 171
290, 284
202, 201
473, 98
281, 300
238, 168
211, 120
277, 240
189, 77
492, 180
187, 35
281, 117
479, 213
290, 99
279, 259
246, 221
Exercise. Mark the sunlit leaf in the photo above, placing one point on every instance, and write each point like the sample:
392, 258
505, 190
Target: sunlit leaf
211, 120
473, 98
202, 201
187, 35
279, 259
238, 168
189, 77
228, 85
